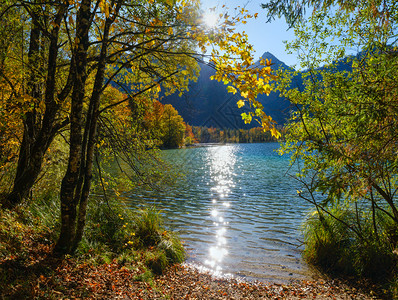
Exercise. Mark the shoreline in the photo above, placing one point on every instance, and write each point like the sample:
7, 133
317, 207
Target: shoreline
47, 277
191, 283
268, 277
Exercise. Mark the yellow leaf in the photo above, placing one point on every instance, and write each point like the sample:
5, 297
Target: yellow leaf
248, 119
244, 94
170, 31
275, 132
240, 103
267, 89
231, 89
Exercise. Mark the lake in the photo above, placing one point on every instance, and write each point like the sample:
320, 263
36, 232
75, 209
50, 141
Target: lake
236, 209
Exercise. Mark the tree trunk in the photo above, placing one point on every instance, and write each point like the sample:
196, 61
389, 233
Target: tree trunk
69, 188
25, 173
38, 133
91, 133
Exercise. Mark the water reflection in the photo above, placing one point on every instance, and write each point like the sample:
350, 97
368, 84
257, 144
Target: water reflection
221, 162
231, 221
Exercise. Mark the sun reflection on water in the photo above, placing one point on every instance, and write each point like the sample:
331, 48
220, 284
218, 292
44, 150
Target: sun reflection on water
222, 163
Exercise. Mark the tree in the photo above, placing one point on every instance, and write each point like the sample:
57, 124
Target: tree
138, 43
129, 143
189, 136
295, 10
77, 48
343, 132
11, 87
173, 127
39, 101
167, 125
139, 38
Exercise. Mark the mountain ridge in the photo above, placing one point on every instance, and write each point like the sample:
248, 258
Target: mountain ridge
207, 103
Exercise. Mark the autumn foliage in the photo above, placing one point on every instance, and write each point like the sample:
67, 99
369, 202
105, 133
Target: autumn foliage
168, 126
79, 84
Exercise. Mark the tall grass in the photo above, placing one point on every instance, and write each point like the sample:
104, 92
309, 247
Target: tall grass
334, 246
149, 227
150, 232
119, 230
113, 232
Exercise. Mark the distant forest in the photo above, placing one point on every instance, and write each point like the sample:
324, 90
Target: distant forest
217, 135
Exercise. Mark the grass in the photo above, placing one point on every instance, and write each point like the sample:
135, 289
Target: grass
119, 231
165, 245
115, 235
336, 248
148, 227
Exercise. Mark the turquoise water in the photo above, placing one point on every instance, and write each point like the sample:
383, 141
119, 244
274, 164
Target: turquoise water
236, 209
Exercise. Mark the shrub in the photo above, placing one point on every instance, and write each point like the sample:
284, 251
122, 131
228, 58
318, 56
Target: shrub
333, 246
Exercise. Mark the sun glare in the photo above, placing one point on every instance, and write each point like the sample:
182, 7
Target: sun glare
210, 19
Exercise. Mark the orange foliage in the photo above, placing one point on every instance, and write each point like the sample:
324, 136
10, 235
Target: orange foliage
162, 118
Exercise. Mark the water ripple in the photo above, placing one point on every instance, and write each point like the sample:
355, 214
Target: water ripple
236, 210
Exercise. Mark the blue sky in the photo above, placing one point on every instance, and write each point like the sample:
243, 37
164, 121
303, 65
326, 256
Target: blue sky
262, 35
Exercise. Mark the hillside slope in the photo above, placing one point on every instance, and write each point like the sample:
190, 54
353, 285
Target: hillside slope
207, 103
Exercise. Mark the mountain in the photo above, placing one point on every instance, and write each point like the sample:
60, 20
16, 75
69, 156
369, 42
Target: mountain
276, 63
207, 103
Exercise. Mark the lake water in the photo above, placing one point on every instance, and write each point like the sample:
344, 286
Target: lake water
236, 209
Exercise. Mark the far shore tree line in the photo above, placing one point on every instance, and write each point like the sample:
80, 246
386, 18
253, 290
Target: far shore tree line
203, 134
168, 129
